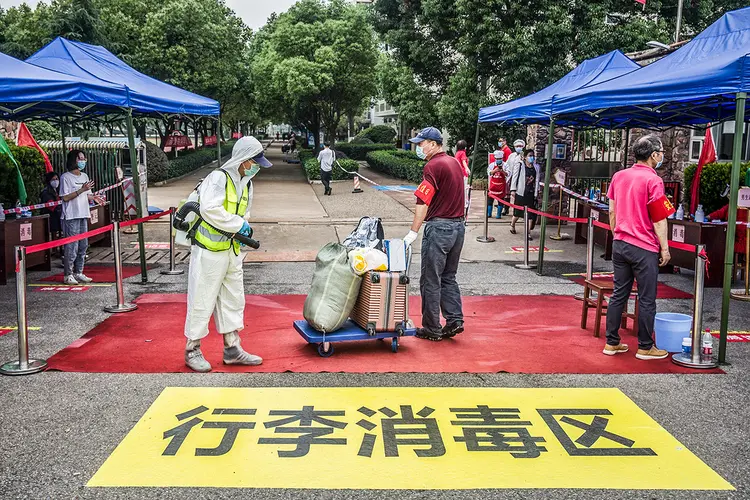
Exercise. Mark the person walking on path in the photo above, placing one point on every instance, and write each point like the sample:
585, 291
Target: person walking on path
502, 145
638, 211
215, 285
440, 203
326, 157
463, 161
75, 191
524, 186
51, 193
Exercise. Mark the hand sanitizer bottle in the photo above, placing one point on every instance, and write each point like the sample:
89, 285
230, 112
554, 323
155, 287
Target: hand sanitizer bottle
699, 215
680, 213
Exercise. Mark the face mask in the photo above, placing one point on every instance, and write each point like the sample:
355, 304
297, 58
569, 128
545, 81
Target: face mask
55, 183
81, 164
500, 143
252, 171
658, 164
519, 150
420, 153
531, 159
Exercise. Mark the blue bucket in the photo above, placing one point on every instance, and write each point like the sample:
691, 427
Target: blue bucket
670, 329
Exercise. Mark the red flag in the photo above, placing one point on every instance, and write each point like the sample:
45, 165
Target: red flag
641, 1
26, 139
708, 155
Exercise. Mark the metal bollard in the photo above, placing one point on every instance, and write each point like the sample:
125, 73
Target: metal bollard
589, 255
172, 271
526, 264
121, 306
694, 360
486, 238
24, 365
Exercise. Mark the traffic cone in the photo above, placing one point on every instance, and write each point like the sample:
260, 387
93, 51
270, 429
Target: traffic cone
357, 189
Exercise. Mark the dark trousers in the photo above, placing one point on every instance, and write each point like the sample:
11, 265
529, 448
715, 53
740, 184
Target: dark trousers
326, 177
441, 250
631, 262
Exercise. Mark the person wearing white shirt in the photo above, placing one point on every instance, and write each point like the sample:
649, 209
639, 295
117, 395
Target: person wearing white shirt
326, 157
75, 191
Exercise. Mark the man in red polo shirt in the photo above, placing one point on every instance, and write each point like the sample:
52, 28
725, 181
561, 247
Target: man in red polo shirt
638, 211
440, 202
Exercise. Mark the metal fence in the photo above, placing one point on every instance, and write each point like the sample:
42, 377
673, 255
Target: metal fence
107, 162
598, 145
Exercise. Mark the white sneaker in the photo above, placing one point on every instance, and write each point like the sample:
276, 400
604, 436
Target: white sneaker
82, 278
70, 280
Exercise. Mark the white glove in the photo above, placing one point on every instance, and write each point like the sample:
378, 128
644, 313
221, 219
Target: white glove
410, 238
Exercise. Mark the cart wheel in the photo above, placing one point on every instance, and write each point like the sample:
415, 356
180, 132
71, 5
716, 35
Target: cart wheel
322, 349
394, 344
400, 330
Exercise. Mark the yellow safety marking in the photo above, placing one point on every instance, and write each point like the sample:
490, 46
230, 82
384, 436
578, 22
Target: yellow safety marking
30, 328
401, 438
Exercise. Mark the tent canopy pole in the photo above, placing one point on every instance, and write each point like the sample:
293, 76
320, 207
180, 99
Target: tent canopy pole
137, 189
739, 124
218, 141
545, 196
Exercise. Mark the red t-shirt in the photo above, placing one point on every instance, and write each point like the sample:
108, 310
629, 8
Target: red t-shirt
506, 152
442, 188
633, 189
463, 161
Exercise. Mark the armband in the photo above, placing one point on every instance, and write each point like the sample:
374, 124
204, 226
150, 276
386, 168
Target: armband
660, 209
425, 192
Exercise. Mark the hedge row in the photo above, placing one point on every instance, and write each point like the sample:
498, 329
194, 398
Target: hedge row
397, 163
32, 172
714, 178
189, 161
359, 151
312, 169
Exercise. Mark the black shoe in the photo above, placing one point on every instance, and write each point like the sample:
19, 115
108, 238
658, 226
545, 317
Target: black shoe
423, 333
453, 329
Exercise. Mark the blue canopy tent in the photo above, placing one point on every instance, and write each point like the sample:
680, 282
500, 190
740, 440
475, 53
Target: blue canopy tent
30, 91
143, 95
538, 108
706, 80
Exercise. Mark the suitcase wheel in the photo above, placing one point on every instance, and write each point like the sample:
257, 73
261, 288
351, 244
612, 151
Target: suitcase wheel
394, 344
375, 277
403, 280
325, 351
371, 329
400, 330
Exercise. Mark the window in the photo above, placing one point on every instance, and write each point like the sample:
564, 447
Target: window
725, 144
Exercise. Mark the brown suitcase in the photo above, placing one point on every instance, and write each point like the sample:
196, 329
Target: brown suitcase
383, 302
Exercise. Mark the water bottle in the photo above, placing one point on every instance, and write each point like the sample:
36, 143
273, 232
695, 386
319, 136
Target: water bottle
707, 346
699, 215
687, 344
680, 213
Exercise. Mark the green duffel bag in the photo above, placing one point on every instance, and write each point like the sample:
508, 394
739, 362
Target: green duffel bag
334, 289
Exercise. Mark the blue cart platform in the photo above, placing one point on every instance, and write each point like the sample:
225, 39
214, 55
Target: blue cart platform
349, 332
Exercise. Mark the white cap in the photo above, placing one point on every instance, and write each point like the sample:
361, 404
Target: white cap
519, 142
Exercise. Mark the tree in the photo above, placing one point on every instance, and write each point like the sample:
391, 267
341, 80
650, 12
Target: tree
490, 51
316, 64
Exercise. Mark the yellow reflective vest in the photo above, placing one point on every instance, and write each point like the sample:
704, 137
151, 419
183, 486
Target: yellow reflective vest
209, 238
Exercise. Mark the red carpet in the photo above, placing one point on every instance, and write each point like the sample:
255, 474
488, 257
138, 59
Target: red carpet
663, 291
100, 274
522, 334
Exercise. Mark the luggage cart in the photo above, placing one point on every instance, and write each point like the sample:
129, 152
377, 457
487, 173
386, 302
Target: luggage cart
349, 332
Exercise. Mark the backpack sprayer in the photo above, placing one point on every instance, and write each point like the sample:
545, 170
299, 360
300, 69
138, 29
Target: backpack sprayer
188, 227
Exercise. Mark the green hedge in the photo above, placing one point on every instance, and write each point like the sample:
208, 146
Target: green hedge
32, 171
359, 151
312, 169
193, 160
714, 178
398, 163
382, 134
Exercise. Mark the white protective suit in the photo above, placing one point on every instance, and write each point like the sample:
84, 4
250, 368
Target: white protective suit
215, 281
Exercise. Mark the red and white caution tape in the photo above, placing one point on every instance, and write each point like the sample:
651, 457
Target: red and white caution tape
51, 204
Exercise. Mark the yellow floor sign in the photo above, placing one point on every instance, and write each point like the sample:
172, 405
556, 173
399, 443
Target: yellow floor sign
396, 438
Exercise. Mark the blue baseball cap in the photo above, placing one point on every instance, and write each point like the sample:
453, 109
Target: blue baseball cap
429, 133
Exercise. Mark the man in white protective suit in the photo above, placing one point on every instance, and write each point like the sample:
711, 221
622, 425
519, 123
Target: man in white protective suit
215, 280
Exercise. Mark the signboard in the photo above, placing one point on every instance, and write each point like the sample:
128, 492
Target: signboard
178, 140
558, 151
743, 197
25, 232
678, 233
94, 216
401, 438
209, 140
560, 176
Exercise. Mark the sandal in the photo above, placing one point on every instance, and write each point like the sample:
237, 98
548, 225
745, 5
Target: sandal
512, 230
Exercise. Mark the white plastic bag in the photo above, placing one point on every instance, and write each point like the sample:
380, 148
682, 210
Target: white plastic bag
396, 251
367, 259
